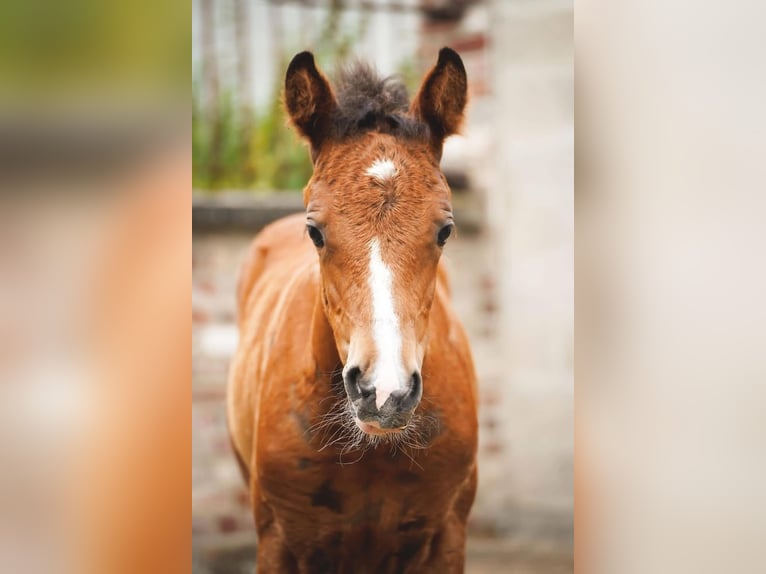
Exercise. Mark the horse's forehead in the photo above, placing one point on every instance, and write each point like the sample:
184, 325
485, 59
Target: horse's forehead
379, 155
378, 185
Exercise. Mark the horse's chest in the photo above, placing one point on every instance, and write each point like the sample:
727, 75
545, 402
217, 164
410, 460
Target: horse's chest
380, 492
355, 517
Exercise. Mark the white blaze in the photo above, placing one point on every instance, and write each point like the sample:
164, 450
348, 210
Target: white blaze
382, 170
388, 370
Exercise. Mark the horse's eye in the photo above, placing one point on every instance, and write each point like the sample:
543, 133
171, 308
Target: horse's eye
444, 233
315, 235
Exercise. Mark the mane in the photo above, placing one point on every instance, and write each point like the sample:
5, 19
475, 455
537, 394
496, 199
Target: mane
368, 102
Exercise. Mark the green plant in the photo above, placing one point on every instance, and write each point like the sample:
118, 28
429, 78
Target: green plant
260, 152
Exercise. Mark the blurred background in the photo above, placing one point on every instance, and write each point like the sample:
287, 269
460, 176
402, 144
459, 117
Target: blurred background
511, 172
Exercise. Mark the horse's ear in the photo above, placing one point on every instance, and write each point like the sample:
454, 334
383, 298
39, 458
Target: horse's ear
442, 97
309, 99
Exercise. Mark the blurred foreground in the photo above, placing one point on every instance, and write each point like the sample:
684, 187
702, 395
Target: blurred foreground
95, 330
94, 309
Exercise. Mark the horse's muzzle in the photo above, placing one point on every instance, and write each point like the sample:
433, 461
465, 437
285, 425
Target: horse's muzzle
394, 414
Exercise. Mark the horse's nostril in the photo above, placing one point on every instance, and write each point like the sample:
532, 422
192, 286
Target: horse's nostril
351, 380
416, 384
411, 398
355, 385
352, 375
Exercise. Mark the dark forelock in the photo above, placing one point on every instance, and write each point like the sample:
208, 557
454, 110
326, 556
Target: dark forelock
367, 102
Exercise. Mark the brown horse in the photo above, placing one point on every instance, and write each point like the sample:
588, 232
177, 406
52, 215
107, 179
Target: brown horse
352, 395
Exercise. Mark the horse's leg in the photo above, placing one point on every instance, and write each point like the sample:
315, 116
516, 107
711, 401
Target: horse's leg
447, 553
273, 556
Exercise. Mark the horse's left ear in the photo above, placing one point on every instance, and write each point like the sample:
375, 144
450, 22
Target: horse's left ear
442, 97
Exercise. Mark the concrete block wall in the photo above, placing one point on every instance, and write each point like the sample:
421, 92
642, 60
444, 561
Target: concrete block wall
528, 181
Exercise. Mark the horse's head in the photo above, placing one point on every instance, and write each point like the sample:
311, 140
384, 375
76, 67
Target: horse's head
378, 211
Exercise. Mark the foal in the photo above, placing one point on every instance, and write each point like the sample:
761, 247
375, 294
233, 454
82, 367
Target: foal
352, 395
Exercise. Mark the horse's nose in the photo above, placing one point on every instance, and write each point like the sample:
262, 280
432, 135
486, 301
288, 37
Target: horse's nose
390, 409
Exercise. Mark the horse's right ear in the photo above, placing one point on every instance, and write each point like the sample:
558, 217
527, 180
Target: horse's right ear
309, 99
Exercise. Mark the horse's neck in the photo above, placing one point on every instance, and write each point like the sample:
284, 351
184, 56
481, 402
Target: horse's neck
324, 351
326, 380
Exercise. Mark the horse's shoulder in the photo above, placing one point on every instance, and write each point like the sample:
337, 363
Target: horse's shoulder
277, 248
